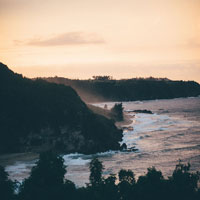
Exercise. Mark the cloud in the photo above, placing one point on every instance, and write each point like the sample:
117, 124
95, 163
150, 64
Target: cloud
69, 38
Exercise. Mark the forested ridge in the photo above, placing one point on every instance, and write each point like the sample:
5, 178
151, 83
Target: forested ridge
104, 88
36, 116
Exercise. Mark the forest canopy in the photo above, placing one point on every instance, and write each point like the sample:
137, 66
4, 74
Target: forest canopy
47, 182
105, 88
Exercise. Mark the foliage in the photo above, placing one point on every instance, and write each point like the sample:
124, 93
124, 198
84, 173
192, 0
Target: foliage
37, 116
96, 169
151, 186
126, 176
183, 183
117, 112
126, 183
47, 182
7, 186
102, 78
108, 89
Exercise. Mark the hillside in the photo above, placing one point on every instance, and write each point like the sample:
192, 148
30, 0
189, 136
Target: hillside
36, 116
106, 89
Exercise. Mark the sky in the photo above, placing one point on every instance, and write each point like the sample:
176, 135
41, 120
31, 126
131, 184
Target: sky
120, 38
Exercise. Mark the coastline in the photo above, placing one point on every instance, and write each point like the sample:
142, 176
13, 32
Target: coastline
127, 121
10, 159
144, 124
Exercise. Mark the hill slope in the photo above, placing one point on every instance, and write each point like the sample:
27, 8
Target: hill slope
37, 116
106, 89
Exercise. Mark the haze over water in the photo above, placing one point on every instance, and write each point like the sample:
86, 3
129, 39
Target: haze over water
162, 138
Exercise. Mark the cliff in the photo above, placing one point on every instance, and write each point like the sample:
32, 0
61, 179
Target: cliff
36, 116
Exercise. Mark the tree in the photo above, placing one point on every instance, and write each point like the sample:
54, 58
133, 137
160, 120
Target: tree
183, 183
6, 186
102, 78
110, 190
126, 182
117, 112
126, 175
46, 180
151, 186
96, 169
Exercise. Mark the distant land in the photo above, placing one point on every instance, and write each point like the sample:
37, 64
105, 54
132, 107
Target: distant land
104, 88
37, 116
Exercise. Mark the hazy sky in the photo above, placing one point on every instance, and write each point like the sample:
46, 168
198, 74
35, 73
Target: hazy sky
81, 38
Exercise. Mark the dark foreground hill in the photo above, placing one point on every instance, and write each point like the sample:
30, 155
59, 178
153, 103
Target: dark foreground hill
103, 88
37, 116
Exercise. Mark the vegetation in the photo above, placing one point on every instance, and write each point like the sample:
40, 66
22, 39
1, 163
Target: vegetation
47, 182
96, 169
117, 112
38, 116
7, 187
104, 88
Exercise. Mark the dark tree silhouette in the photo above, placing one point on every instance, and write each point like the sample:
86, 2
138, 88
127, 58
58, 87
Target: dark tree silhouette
96, 169
126, 183
46, 181
102, 78
7, 187
151, 185
103, 89
37, 115
117, 112
109, 190
126, 175
183, 183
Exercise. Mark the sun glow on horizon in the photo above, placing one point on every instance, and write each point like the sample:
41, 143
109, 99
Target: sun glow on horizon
79, 39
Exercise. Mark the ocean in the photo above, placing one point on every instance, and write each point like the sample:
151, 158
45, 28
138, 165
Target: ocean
170, 134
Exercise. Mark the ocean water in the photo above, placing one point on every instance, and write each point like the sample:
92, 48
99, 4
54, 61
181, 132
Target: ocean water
171, 133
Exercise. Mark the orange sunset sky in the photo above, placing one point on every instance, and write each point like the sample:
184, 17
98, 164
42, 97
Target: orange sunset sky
82, 38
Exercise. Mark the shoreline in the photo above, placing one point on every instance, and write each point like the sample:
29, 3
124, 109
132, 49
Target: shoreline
10, 159
127, 121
